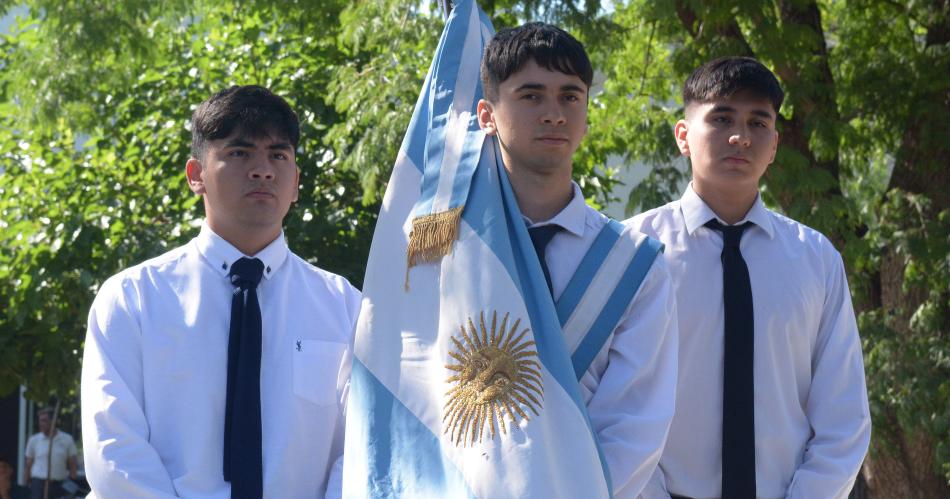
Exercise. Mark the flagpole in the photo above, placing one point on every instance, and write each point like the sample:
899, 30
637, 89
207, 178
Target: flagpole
446, 7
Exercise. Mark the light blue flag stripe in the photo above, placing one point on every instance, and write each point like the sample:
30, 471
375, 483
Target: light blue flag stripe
471, 150
417, 451
619, 300
414, 142
585, 272
443, 89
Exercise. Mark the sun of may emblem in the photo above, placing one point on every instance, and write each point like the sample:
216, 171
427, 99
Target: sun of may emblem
496, 376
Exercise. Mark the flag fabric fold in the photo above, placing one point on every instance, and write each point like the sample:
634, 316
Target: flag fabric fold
462, 382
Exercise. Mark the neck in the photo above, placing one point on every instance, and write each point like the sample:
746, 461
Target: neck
246, 239
731, 206
541, 196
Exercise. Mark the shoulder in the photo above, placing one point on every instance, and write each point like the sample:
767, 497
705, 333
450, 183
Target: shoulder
594, 219
162, 264
64, 436
328, 289
316, 275
325, 285
651, 222
147, 273
793, 232
34, 438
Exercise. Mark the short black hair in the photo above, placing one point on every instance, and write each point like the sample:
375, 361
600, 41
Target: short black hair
252, 110
46, 410
550, 47
727, 76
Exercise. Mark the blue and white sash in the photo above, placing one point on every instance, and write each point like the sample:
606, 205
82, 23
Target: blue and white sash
602, 288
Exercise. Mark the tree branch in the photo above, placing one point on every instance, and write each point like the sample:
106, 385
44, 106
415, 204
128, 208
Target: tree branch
697, 28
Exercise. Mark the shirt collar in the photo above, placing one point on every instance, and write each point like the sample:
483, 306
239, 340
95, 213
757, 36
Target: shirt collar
572, 218
222, 254
696, 213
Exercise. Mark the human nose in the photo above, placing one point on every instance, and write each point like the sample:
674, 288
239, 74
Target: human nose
740, 137
553, 115
262, 170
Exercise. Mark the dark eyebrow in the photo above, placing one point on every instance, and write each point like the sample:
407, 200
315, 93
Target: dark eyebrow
530, 86
721, 108
238, 142
572, 88
539, 86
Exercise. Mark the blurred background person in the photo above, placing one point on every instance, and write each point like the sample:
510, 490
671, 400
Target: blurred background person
50, 455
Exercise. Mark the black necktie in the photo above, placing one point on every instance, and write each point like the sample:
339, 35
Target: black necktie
738, 404
243, 457
540, 237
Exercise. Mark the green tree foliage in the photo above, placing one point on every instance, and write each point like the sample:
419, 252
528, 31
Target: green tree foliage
95, 99
76, 207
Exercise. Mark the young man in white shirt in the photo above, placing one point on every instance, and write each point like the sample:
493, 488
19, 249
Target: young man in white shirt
771, 400
220, 369
536, 80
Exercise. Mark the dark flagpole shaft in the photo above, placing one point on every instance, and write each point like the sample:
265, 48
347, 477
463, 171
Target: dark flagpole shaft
446, 7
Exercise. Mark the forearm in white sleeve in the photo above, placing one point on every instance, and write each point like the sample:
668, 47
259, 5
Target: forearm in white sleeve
837, 400
633, 404
119, 461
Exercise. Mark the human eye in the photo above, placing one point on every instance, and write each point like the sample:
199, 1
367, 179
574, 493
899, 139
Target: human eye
237, 153
281, 156
572, 98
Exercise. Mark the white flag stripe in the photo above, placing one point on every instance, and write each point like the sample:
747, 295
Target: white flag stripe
393, 227
601, 287
416, 339
414, 384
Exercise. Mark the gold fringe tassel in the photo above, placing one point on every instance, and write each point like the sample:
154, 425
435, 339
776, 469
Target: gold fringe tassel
432, 237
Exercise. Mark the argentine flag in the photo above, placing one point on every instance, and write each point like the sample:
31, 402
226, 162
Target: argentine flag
462, 384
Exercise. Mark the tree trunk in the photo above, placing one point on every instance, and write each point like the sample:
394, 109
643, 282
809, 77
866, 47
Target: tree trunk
902, 464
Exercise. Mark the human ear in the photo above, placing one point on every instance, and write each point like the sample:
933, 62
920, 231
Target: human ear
486, 118
774, 146
297, 186
193, 171
679, 133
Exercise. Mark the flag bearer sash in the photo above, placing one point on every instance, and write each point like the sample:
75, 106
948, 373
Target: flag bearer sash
602, 288
462, 383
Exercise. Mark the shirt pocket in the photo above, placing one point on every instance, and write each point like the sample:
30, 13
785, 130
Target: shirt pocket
317, 367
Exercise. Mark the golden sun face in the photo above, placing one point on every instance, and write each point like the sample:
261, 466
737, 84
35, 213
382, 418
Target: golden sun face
496, 376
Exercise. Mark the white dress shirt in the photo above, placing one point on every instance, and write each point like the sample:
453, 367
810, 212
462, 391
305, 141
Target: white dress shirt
155, 371
630, 387
37, 448
812, 424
